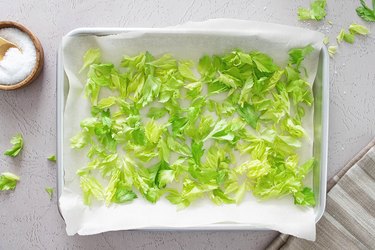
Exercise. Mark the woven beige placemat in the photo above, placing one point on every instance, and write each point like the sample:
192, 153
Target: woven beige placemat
349, 219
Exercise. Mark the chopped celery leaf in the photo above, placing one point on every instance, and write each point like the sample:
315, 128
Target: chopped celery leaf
358, 29
52, 158
49, 191
8, 181
365, 12
332, 50
297, 55
317, 11
349, 38
17, 142
92, 56
354, 29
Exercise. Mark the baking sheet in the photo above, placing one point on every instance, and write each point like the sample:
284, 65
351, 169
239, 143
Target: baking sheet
185, 41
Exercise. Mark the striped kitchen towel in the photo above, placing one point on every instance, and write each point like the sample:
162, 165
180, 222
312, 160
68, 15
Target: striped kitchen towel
349, 219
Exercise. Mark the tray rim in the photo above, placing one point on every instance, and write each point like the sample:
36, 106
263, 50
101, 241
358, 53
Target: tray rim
102, 31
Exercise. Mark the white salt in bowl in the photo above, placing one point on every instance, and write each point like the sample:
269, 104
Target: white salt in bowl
39, 56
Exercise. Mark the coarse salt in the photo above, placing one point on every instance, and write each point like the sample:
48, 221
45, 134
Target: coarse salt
16, 64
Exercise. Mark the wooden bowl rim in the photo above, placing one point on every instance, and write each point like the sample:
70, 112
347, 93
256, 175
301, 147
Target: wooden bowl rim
39, 56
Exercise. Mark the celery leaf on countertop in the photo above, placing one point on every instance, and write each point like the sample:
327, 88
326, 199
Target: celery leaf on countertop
365, 12
52, 158
17, 142
317, 11
358, 29
49, 191
8, 181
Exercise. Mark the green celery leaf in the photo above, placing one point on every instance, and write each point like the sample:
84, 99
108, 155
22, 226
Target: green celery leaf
263, 62
240, 193
49, 191
178, 122
317, 11
178, 146
185, 69
228, 81
297, 55
99, 75
157, 113
248, 114
219, 197
332, 50
246, 91
8, 181
91, 188
197, 151
119, 189
305, 197
153, 131
17, 142
365, 12
254, 168
150, 90
123, 195
220, 132
165, 177
92, 56
358, 29
305, 168
52, 158
292, 128
347, 37
164, 151
106, 102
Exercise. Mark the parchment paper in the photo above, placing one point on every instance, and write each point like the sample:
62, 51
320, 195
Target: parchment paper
215, 37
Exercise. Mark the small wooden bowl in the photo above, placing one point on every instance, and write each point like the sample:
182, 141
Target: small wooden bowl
39, 56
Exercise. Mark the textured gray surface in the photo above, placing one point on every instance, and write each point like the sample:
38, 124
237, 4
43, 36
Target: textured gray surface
29, 220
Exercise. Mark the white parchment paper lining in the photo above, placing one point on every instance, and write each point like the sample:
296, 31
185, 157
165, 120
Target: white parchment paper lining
189, 41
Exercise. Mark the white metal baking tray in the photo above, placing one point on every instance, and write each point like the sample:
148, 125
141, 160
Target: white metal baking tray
321, 113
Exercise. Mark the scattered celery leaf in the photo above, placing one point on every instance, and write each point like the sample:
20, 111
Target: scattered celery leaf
8, 181
248, 113
347, 37
92, 56
332, 50
49, 190
358, 29
52, 158
263, 62
317, 11
17, 142
297, 55
304, 197
365, 12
